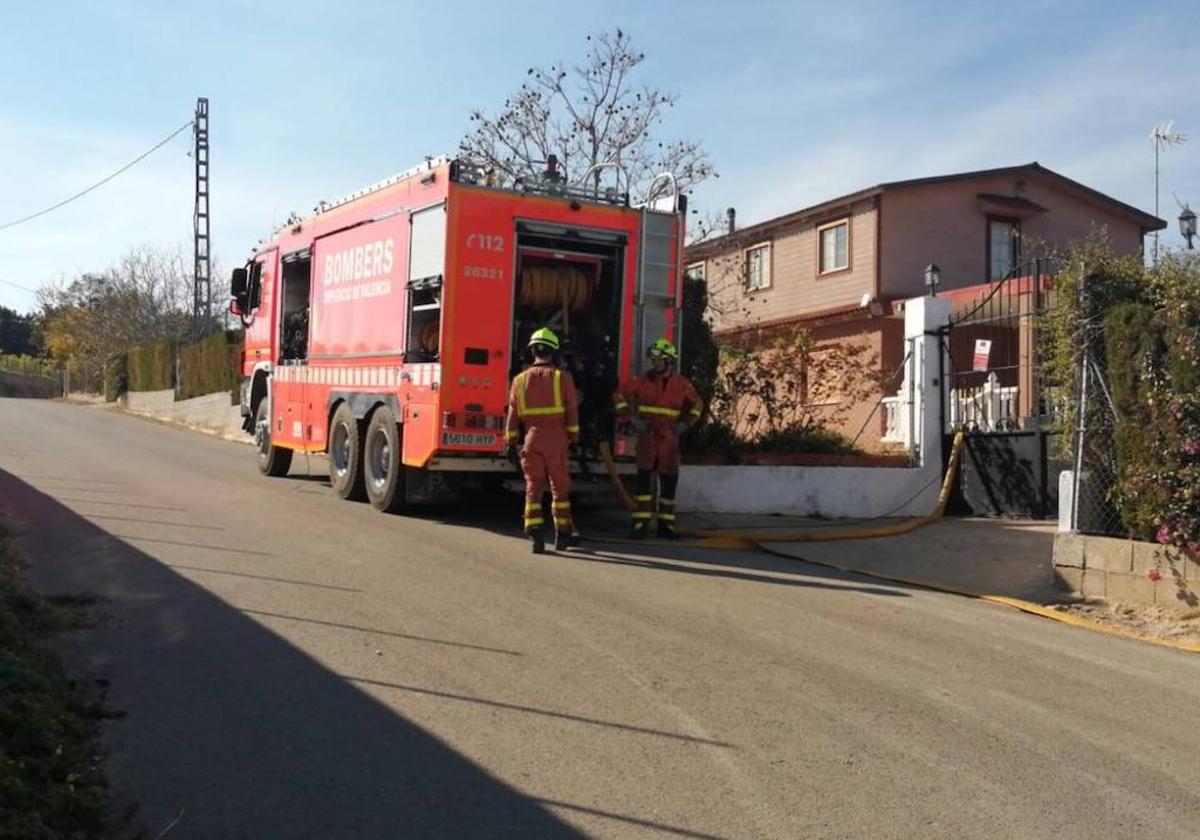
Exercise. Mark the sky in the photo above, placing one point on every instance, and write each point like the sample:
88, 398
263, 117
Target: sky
795, 102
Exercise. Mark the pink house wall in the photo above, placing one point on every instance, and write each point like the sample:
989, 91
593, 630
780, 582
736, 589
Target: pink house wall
943, 223
796, 285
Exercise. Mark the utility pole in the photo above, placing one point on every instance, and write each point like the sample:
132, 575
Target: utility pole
202, 304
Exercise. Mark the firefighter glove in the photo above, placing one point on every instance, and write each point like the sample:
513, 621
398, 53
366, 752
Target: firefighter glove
513, 453
679, 426
638, 424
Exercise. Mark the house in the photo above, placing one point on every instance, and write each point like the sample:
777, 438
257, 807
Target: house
838, 267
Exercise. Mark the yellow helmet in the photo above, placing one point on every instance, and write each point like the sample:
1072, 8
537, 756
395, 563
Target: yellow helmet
545, 337
663, 349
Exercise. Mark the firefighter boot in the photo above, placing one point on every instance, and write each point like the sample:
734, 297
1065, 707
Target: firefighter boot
539, 540
562, 541
666, 531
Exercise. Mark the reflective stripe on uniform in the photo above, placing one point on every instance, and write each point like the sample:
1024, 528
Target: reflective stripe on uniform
562, 505
641, 514
572, 430
646, 498
666, 517
656, 409
549, 411
532, 506
695, 411
533, 520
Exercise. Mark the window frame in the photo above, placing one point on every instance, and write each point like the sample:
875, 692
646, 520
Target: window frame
1015, 227
768, 268
835, 223
701, 265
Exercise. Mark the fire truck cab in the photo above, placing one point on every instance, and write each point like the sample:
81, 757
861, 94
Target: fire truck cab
386, 329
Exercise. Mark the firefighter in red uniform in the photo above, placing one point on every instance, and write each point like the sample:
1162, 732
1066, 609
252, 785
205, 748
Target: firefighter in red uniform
542, 403
660, 405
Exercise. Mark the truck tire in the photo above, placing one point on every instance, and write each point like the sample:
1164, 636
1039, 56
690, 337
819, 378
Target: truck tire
345, 455
272, 460
383, 471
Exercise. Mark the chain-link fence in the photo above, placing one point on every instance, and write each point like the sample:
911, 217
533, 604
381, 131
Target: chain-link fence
1094, 451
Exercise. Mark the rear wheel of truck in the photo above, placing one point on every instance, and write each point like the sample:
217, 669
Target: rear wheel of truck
382, 470
272, 460
345, 455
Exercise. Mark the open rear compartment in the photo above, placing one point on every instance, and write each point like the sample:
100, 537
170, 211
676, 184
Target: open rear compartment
572, 280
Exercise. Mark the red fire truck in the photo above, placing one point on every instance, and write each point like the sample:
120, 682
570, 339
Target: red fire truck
386, 328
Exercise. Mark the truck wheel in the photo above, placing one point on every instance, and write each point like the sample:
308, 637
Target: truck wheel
272, 460
345, 455
382, 470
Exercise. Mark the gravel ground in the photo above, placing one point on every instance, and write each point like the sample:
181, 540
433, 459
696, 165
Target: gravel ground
1142, 621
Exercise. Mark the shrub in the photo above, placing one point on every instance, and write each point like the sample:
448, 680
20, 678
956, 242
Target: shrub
803, 439
714, 440
151, 367
1135, 347
211, 365
116, 377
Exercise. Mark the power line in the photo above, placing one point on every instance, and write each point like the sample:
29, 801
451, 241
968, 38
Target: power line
18, 286
100, 183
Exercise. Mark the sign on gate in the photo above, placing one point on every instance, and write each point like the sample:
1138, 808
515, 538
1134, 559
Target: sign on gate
983, 351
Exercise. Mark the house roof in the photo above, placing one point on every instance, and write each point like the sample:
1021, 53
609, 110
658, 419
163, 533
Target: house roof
1146, 220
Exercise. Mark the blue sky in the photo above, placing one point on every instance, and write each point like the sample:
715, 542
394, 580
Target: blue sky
796, 102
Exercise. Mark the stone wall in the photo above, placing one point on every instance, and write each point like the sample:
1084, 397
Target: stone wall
1127, 571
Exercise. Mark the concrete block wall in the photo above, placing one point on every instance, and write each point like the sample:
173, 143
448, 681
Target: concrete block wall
1127, 571
212, 412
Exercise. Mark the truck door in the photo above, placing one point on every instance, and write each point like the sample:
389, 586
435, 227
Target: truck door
290, 372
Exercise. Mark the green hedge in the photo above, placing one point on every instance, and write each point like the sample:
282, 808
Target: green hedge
151, 367
1136, 351
210, 365
116, 377
31, 365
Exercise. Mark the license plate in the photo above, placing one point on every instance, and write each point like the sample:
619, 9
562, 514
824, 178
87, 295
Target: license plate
468, 439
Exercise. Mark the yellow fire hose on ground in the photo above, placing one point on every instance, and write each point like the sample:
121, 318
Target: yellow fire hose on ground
743, 540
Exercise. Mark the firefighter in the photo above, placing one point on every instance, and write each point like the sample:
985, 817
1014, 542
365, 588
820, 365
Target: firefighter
542, 404
660, 405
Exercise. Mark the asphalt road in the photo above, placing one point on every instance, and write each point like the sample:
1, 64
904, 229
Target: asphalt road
292, 665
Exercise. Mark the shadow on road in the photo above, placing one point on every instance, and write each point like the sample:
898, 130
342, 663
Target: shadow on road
245, 733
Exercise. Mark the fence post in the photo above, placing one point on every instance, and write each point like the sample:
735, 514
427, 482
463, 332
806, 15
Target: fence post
924, 320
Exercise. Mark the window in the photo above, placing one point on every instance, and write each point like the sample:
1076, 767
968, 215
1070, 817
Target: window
835, 246
695, 271
1004, 241
758, 267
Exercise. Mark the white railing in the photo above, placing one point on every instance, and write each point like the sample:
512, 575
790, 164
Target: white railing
991, 407
893, 420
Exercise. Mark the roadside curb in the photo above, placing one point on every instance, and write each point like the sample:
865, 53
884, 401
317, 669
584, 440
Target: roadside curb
1003, 600
179, 424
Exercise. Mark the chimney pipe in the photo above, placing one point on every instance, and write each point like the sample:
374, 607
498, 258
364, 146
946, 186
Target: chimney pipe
731, 219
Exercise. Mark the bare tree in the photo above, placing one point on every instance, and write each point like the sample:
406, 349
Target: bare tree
144, 298
591, 114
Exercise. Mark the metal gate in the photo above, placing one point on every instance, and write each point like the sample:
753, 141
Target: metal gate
994, 392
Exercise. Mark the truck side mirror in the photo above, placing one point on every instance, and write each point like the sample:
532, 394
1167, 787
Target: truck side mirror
239, 288
238, 283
